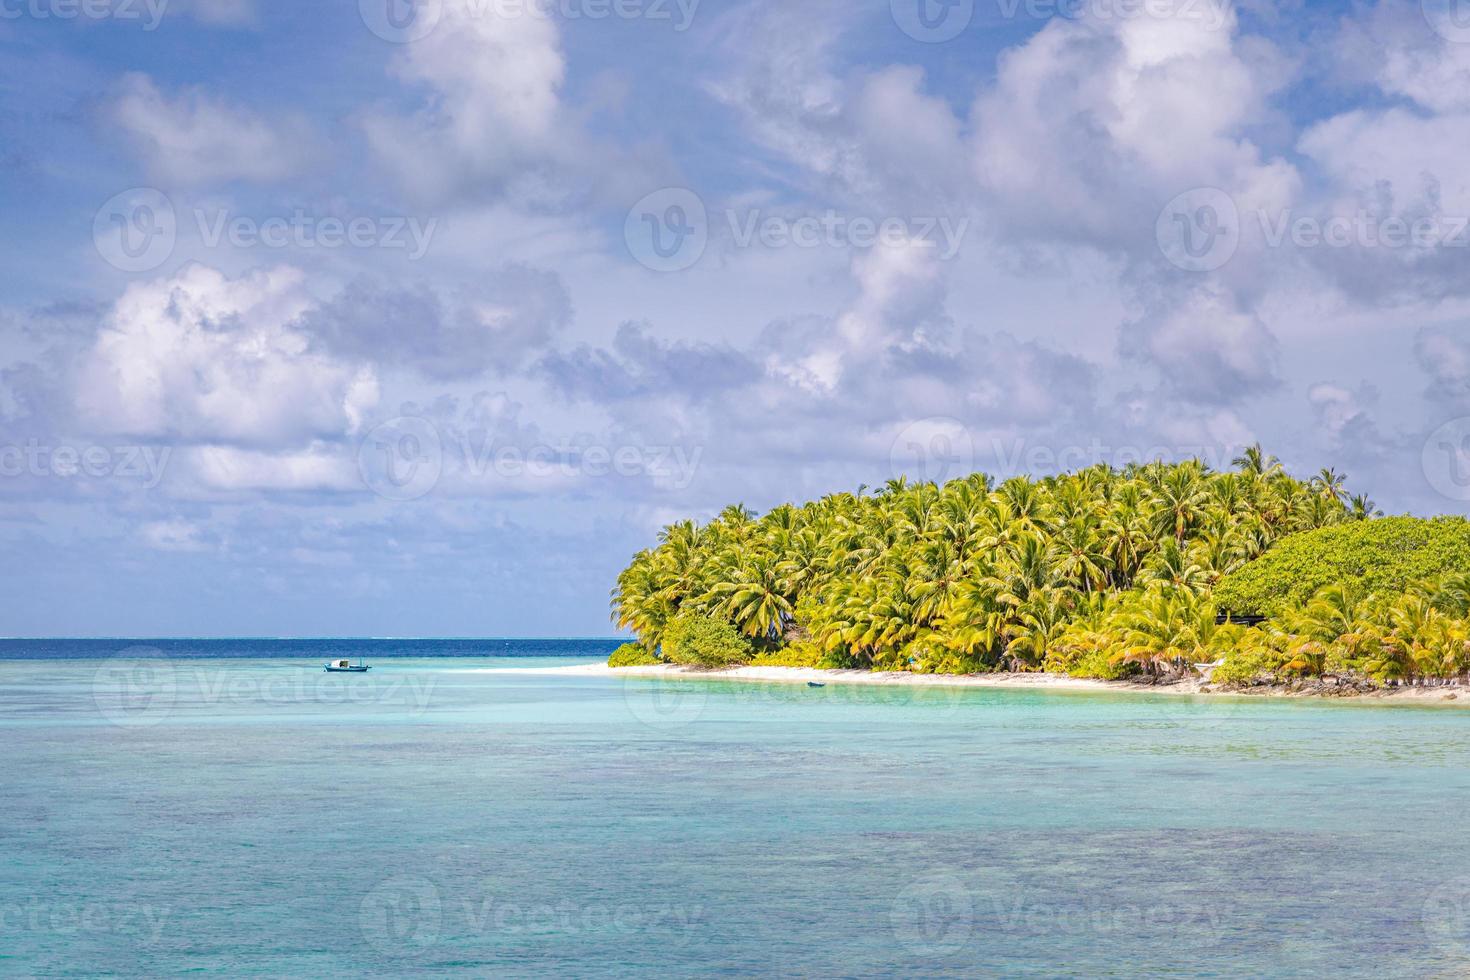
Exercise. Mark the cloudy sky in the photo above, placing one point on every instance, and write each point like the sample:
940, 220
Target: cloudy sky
392, 318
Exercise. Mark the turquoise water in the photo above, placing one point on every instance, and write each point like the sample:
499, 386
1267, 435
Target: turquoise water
450, 815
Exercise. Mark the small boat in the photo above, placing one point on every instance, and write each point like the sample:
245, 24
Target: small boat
347, 667
814, 684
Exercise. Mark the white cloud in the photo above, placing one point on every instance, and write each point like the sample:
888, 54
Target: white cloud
493, 106
1093, 125
1206, 347
202, 358
196, 138
1394, 160
172, 535
1446, 359
500, 323
231, 469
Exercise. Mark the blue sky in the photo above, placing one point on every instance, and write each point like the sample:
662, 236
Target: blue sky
319, 321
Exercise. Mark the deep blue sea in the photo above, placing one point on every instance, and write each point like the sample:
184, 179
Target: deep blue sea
227, 808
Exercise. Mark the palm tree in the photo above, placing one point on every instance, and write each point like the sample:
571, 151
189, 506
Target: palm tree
754, 598
1329, 483
1361, 508
971, 572
1254, 461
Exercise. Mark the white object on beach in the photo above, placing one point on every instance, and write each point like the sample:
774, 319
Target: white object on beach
1208, 670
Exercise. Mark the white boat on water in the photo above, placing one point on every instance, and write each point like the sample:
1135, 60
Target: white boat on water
347, 667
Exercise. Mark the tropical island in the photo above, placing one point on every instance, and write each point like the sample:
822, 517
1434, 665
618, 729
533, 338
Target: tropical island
1157, 574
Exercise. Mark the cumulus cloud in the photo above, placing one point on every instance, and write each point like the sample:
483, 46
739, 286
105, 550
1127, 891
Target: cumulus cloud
873, 137
492, 116
782, 81
197, 138
640, 365
1392, 171
1446, 360
320, 467
173, 535
1093, 124
203, 358
1206, 347
497, 325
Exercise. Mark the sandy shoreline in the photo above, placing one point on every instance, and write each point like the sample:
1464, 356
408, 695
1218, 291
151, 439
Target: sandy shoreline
1050, 682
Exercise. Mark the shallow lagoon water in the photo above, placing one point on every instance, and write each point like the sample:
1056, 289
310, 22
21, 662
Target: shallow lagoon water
252, 815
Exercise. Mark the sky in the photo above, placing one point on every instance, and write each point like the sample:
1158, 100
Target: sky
392, 318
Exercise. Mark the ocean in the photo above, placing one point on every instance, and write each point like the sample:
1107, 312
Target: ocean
225, 807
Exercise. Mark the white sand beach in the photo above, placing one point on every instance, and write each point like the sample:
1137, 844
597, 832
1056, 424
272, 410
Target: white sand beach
1449, 696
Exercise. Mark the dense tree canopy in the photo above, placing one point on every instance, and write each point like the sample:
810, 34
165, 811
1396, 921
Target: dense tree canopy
1386, 556
1100, 571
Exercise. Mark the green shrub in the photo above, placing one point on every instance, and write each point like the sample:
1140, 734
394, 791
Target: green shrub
1248, 664
1383, 556
704, 642
950, 663
1098, 665
632, 655
801, 654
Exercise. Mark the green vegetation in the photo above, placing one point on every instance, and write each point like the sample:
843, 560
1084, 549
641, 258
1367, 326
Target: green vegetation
1384, 556
793, 655
702, 641
1102, 573
632, 655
